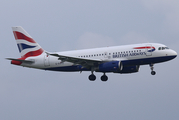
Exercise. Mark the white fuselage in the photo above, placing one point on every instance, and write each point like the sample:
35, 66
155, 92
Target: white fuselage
125, 53
117, 59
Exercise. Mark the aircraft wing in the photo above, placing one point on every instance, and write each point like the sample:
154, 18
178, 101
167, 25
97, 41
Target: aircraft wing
85, 62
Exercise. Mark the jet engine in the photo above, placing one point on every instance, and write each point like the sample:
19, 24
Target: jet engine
117, 67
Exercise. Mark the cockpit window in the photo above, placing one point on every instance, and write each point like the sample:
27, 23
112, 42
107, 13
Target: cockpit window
162, 48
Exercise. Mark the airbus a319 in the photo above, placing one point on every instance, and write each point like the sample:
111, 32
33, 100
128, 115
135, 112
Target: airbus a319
117, 59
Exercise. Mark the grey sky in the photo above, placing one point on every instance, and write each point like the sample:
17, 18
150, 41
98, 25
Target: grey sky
60, 25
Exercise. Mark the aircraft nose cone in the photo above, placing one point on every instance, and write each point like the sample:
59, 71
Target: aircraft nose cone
174, 53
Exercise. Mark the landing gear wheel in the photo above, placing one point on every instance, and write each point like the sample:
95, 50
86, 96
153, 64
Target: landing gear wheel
153, 72
152, 68
92, 77
104, 78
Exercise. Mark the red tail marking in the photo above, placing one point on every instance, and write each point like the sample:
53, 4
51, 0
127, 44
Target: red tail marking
19, 35
33, 53
17, 62
29, 54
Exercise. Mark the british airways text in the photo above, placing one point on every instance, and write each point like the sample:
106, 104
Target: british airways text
128, 54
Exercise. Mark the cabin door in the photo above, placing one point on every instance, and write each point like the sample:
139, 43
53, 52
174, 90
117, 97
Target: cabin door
148, 50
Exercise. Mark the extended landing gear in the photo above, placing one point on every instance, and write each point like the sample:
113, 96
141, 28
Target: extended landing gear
152, 68
92, 77
153, 72
104, 77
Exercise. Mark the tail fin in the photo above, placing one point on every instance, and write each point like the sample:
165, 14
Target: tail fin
26, 45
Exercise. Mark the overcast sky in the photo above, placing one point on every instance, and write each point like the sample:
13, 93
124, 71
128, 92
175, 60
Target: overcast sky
60, 25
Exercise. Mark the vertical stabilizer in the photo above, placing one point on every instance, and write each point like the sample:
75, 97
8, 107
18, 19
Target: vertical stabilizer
26, 44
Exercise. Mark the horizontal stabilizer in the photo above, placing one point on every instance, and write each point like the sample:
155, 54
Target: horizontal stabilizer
23, 61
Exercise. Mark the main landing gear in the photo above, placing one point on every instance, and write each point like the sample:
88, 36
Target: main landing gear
92, 77
104, 77
152, 68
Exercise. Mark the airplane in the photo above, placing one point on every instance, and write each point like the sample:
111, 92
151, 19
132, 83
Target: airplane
116, 59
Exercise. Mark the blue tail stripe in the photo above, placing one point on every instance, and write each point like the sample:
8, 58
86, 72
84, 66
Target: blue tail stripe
19, 47
23, 46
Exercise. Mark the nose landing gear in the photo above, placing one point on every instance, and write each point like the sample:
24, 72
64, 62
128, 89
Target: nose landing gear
152, 68
153, 72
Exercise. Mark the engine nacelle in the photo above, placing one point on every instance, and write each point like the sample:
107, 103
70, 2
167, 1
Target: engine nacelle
112, 66
117, 67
